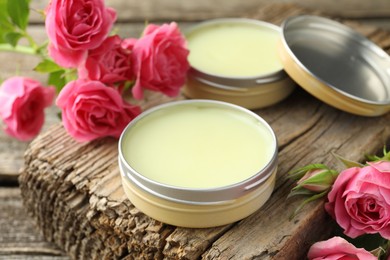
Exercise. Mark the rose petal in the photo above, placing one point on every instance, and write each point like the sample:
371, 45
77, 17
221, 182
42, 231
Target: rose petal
74, 27
359, 201
110, 63
160, 60
337, 248
22, 104
382, 166
92, 110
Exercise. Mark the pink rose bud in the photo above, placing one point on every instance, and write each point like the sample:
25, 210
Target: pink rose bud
22, 104
337, 248
91, 110
318, 180
109, 63
359, 200
314, 181
160, 60
74, 27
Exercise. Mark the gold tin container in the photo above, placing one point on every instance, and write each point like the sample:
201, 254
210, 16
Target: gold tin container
336, 64
198, 163
235, 60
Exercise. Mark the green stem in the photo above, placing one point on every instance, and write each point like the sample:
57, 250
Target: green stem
18, 49
31, 41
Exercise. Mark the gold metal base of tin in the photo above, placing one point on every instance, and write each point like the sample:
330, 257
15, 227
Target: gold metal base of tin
253, 97
199, 216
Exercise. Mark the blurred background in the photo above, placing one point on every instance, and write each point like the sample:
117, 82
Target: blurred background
372, 11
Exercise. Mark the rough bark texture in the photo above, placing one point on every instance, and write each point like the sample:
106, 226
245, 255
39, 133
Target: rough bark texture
74, 190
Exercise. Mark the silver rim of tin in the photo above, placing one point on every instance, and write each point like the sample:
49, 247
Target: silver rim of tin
370, 49
232, 83
209, 196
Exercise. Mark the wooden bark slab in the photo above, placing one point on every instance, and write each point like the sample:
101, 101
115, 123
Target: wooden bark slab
74, 190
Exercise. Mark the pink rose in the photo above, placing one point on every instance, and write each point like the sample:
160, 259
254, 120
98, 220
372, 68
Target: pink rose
74, 27
160, 60
337, 248
109, 63
22, 104
360, 200
91, 110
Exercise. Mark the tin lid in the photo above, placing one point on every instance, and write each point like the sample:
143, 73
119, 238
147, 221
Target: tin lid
336, 64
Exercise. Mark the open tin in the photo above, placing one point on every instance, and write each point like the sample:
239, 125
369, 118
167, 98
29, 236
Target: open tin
336, 64
235, 60
328, 59
215, 165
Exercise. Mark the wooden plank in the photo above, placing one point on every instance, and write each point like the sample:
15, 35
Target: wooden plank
152, 10
20, 238
383, 23
11, 158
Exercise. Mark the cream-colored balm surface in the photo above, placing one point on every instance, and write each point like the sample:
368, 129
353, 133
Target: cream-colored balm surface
234, 50
198, 147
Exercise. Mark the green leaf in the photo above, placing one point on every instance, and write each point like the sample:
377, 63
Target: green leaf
378, 252
70, 75
374, 158
3, 9
18, 11
5, 23
347, 163
47, 66
310, 199
12, 38
128, 84
57, 79
299, 191
42, 49
298, 173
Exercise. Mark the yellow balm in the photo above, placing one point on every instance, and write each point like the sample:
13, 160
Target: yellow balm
197, 146
234, 49
198, 163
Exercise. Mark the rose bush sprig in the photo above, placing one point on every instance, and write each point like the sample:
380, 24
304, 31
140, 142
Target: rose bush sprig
358, 199
90, 69
314, 181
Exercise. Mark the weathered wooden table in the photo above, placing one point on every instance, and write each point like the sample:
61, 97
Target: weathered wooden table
73, 194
